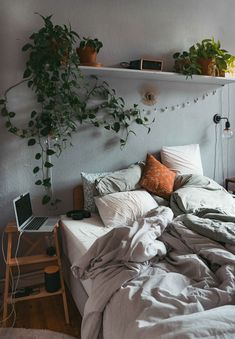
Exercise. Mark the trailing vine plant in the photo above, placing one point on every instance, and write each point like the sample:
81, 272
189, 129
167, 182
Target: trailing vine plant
63, 101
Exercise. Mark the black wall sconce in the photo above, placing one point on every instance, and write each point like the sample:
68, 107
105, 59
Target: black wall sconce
227, 132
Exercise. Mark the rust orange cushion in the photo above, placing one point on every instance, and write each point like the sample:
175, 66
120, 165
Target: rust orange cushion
157, 178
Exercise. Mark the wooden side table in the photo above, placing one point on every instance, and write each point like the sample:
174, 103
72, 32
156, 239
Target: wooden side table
11, 231
229, 180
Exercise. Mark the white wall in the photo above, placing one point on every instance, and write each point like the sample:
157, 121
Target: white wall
129, 30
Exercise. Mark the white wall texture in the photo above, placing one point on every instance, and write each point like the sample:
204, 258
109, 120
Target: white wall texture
129, 30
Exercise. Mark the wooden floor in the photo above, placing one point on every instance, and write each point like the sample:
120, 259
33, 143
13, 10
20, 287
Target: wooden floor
48, 313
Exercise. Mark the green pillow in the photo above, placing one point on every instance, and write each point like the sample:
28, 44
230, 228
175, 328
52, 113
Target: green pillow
120, 181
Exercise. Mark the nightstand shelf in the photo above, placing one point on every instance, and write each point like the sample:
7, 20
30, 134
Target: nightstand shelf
34, 259
42, 259
41, 294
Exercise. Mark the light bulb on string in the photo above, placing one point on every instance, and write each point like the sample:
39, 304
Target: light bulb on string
227, 132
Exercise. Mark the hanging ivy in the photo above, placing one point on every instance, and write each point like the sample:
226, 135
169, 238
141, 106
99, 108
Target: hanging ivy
63, 99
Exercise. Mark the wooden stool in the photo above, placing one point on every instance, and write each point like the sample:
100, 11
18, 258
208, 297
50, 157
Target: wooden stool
11, 230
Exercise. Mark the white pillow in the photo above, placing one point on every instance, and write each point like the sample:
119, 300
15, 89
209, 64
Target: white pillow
182, 159
123, 208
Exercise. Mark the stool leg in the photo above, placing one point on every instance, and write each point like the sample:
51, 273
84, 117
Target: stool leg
66, 312
6, 287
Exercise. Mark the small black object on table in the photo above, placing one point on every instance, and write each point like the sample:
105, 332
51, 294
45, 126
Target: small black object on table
78, 214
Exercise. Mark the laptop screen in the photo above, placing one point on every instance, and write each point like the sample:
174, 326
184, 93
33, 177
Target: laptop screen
23, 208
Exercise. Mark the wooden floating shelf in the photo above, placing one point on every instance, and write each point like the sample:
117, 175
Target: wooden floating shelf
153, 75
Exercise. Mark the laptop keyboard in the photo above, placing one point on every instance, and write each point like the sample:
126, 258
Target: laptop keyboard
36, 223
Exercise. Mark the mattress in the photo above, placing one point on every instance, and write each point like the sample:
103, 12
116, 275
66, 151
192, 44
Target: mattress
78, 236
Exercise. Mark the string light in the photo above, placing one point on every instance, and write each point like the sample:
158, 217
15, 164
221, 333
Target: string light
186, 103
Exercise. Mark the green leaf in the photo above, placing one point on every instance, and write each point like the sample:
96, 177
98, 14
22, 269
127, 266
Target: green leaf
2, 101
31, 142
50, 152
47, 182
26, 47
139, 121
45, 131
40, 98
38, 156
30, 83
48, 164
45, 199
31, 123
38, 182
24, 132
92, 116
116, 127
176, 55
13, 130
36, 169
33, 113
27, 73
122, 100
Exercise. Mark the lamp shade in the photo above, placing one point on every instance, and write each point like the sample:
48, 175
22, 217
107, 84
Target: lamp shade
227, 133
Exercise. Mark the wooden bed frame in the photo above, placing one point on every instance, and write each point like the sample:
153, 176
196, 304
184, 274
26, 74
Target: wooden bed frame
78, 199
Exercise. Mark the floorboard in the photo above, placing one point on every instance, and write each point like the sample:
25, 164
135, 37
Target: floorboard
48, 313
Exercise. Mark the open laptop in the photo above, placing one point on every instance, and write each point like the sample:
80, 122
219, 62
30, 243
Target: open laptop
25, 219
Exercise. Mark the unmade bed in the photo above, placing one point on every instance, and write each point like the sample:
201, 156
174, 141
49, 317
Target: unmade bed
169, 274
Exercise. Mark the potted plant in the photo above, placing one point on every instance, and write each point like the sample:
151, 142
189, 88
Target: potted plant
88, 50
52, 73
186, 62
205, 57
211, 58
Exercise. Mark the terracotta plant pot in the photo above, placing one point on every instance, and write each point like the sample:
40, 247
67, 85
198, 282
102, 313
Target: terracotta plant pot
208, 67
221, 73
87, 56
